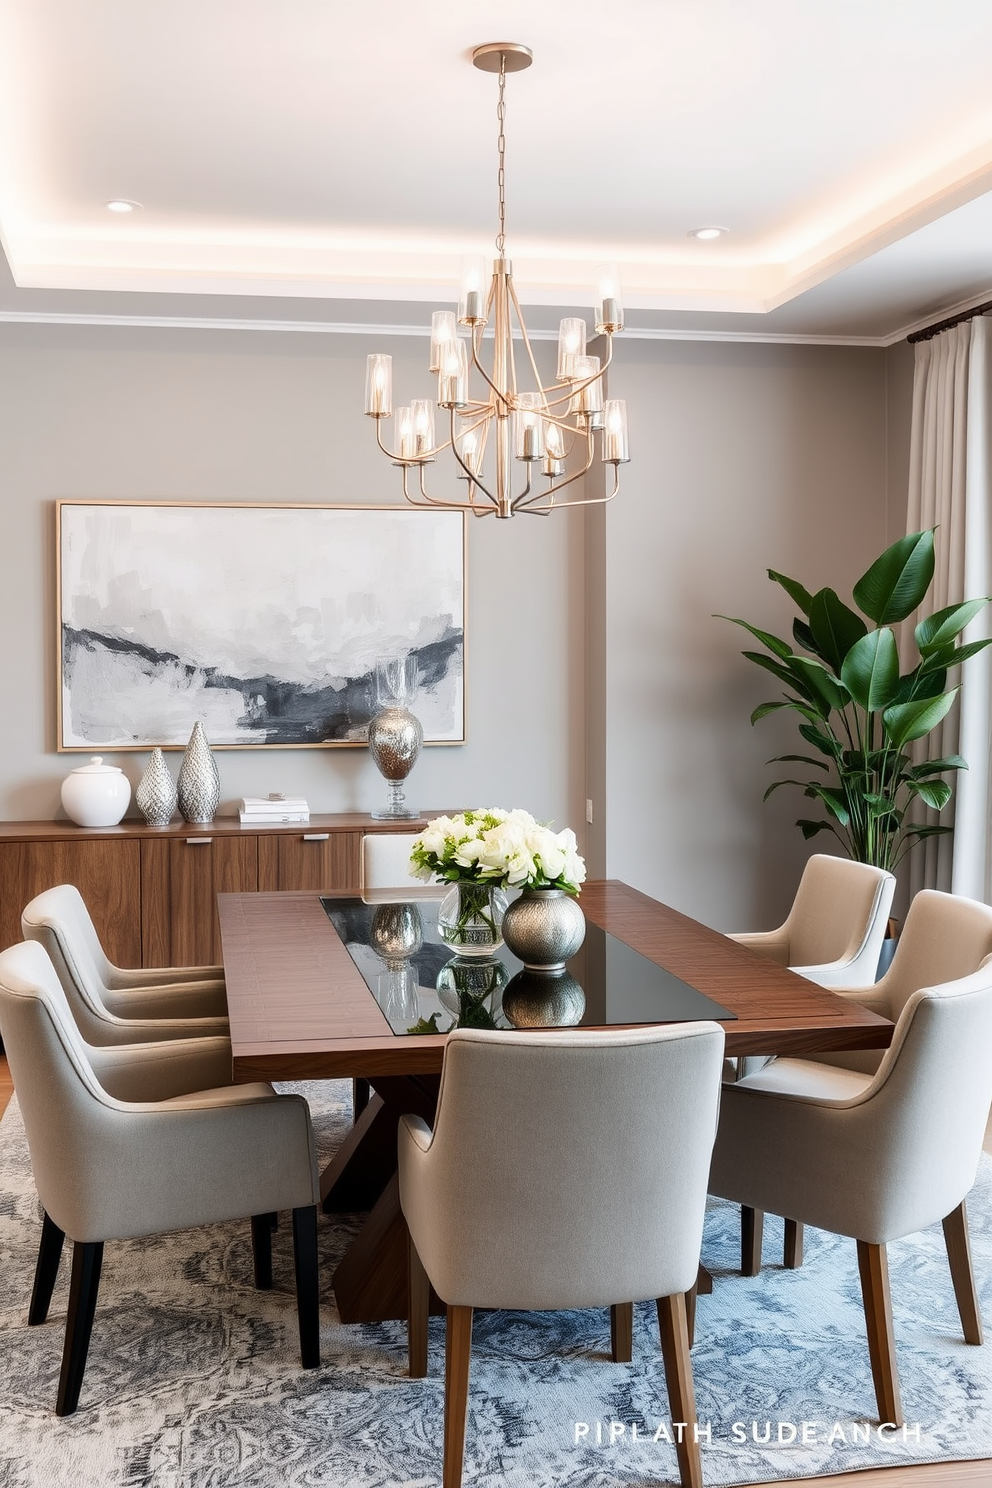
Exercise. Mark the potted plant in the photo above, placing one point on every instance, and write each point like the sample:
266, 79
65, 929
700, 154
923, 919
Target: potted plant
859, 711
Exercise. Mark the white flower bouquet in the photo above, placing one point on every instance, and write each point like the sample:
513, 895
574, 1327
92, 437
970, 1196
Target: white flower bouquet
491, 846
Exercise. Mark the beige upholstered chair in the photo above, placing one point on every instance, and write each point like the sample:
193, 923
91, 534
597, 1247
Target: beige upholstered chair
945, 937
115, 1006
566, 1169
137, 1162
875, 1157
386, 869
834, 931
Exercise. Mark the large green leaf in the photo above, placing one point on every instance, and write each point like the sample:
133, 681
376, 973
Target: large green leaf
935, 793
922, 683
763, 709
942, 627
834, 627
948, 656
822, 685
820, 740
780, 648
796, 591
783, 673
803, 636
897, 581
904, 722
937, 767
871, 670
831, 797
810, 828
799, 759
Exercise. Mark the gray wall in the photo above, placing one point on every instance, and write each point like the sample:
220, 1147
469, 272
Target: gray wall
594, 666
746, 458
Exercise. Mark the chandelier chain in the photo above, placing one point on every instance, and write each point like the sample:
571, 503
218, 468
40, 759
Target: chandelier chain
501, 147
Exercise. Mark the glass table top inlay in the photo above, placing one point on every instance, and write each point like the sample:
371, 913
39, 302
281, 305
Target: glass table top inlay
422, 988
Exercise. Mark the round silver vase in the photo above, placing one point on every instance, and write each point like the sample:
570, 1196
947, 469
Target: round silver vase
198, 787
395, 739
543, 928
156, 795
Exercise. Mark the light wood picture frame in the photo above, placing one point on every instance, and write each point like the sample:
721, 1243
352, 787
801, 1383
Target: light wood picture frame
265, 622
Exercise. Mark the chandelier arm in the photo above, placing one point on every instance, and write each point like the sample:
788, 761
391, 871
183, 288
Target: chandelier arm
526, 340
478, 365
473, 479
406, 489
577, 387
550, 493
595, 500
398, 459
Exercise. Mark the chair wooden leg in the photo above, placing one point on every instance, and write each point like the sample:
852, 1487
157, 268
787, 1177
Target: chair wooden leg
261, 1250
307, 1284
792, 1255
681, 1394
874, 1269
690, 1314
457, 1359
419, 1295
46, 1270
959, 1257
84, 1283
752, 1229
622, 1332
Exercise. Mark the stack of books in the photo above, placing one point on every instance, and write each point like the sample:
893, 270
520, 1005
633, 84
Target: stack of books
257, 810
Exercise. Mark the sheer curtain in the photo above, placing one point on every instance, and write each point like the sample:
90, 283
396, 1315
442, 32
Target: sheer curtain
950, 487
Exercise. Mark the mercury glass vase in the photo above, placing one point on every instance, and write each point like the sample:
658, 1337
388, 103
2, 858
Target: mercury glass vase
395, 739
198, 787
156, 795
543, 928
470, 916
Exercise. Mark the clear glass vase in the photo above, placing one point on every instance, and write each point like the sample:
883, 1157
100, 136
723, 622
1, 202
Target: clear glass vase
470, 918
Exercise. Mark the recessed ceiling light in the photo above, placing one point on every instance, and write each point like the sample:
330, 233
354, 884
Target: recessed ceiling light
707, 234
122, 205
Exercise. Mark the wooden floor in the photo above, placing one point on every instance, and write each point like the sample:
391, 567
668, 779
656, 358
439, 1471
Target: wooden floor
951, 1475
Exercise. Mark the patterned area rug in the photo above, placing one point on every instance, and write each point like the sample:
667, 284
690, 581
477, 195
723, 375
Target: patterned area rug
193, 1378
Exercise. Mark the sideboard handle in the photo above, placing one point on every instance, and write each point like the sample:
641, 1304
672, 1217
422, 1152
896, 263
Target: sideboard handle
198, 841
315, 836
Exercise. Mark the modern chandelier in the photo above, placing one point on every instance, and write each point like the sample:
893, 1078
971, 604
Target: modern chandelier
512, 444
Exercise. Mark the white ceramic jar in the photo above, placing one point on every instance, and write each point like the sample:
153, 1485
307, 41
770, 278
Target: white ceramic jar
96, 795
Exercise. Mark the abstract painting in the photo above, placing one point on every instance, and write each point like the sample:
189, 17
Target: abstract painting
263, 622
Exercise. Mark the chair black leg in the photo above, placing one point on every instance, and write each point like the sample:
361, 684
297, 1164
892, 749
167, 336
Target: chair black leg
46, 1271
361, 1094
87, 1259
261, 1249
307, 1288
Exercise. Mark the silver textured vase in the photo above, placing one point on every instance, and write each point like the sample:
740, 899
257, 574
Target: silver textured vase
396, 932
395, 740
198, 787
543, 928
156, 795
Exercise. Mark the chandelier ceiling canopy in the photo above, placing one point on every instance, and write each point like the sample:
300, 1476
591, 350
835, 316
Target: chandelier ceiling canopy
517, 444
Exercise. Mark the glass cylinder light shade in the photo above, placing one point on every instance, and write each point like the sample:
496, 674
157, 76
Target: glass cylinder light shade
379, 386
554, 449
404, 434
472, 447
452, 375
609, 312
571, 344
587, 401
443, 332
472, 294
615, 448
529, 427
422, 413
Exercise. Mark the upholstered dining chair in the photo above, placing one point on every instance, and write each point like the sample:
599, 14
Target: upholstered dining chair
139, 1162
112, 1005
834, 931
565, 1169
945, 937
874, 1156
386, 867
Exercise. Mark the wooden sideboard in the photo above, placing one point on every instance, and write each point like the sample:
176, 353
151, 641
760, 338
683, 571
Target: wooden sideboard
152, 891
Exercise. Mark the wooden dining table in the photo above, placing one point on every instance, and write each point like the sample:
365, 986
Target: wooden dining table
300, 1009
